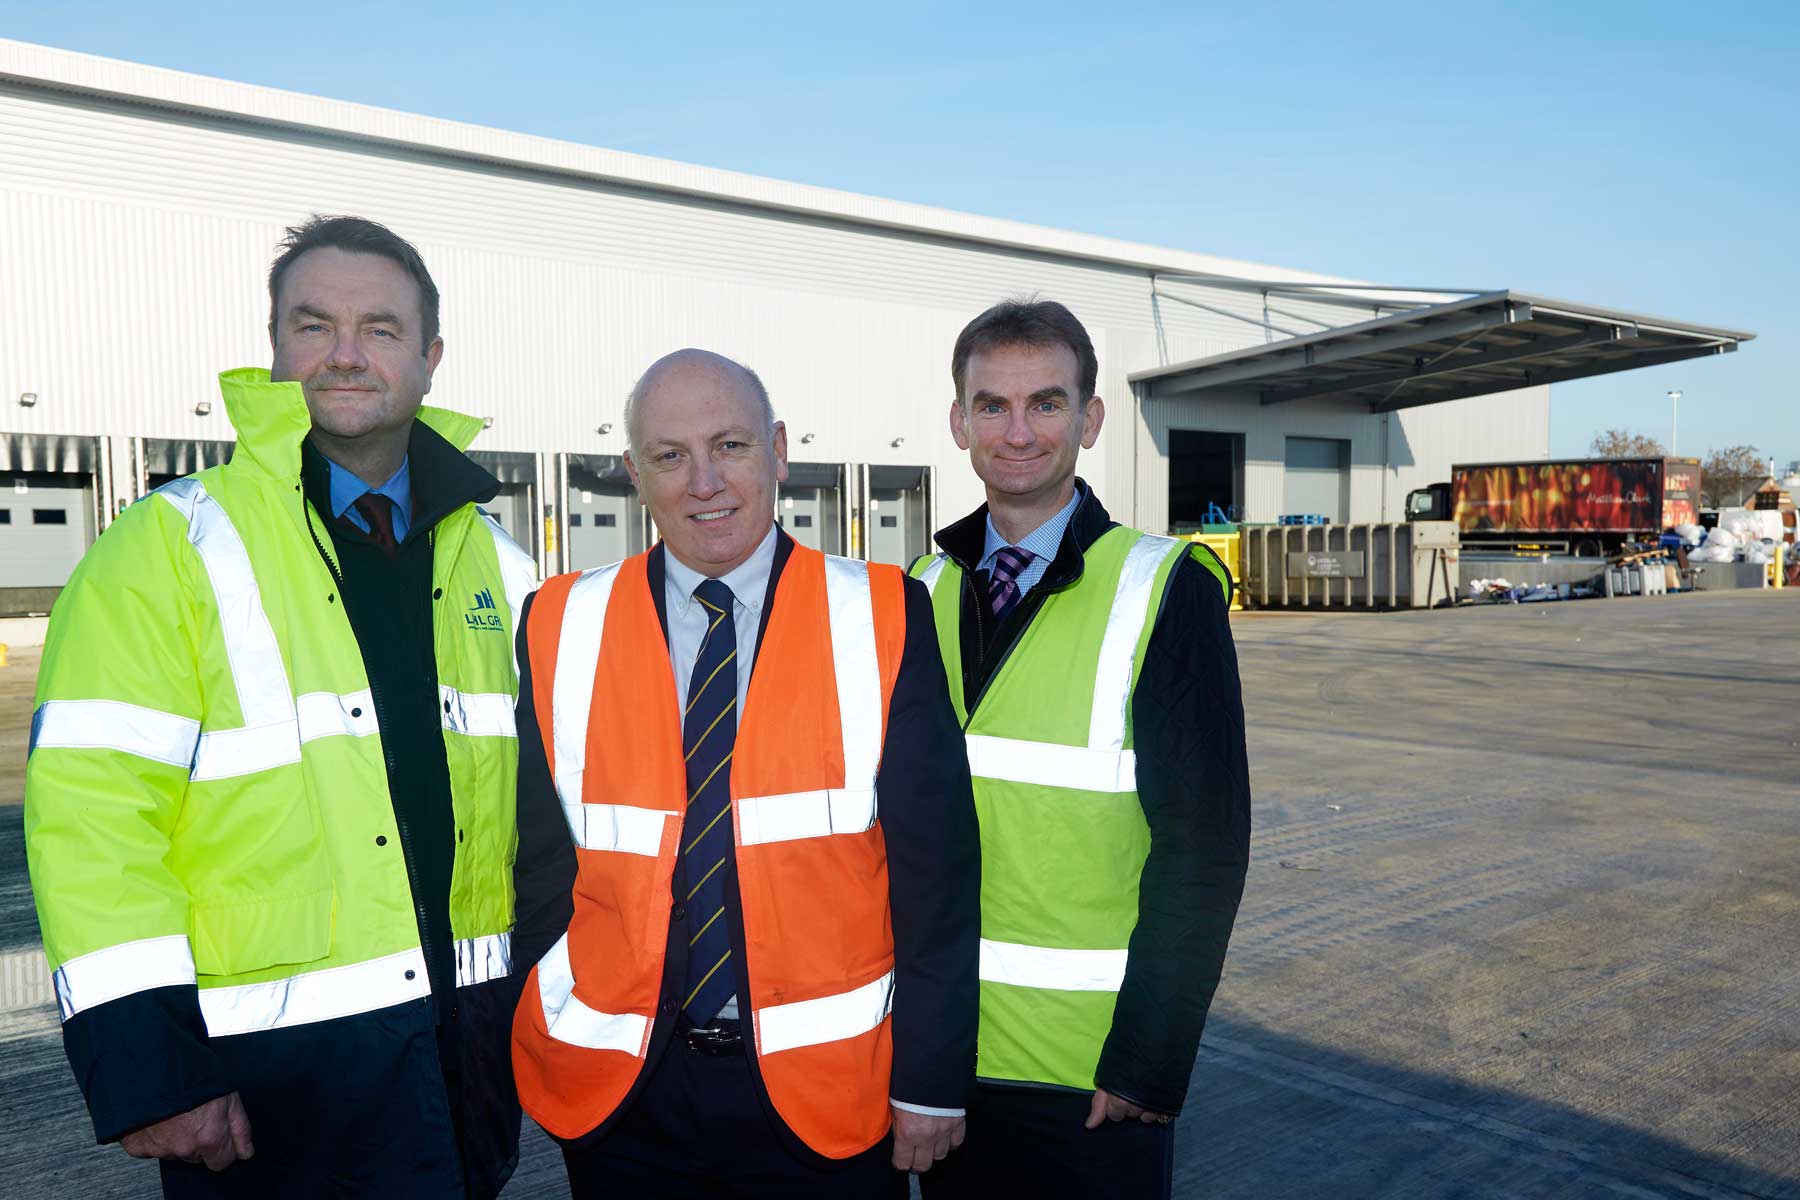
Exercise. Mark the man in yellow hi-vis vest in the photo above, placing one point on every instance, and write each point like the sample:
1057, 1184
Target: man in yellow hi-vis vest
1093, 670
269, 793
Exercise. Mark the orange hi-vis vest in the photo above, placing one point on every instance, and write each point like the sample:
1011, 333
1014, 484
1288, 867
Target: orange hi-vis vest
810, 910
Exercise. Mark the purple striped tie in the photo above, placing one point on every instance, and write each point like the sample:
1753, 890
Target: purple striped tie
1003, 587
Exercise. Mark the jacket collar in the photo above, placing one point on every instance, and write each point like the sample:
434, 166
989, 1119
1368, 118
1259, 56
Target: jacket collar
443, 478
964, 540
272, 421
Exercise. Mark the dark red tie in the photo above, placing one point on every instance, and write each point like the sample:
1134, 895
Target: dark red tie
378, 511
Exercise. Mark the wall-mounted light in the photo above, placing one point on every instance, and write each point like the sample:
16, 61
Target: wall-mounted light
202, 408
897, 442
806, 439
27, 399
605, 428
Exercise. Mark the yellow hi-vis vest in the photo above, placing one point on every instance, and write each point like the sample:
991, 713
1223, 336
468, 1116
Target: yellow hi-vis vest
1063, 835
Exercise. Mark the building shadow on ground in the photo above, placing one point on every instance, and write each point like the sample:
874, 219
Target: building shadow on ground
1270, 1115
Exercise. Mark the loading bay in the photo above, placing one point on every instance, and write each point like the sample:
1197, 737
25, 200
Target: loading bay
1523, 917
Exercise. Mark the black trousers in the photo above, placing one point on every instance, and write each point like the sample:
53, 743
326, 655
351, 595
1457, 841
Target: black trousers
357, 1107
698, 1130
1029, 1142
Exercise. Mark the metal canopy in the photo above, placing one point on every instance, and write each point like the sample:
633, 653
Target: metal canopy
1491, 342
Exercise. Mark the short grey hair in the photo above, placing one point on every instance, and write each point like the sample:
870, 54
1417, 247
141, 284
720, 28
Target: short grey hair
634, 400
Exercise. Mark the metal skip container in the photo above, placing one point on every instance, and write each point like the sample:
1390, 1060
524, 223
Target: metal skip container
1403, 564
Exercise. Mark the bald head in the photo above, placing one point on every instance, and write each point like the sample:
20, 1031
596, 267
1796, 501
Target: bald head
687, 370
707, 456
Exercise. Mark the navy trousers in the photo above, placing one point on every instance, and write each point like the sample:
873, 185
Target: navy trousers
699, 1131
1029, 1142
356, 1107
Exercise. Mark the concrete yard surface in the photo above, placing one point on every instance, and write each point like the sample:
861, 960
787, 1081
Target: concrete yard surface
1523, 917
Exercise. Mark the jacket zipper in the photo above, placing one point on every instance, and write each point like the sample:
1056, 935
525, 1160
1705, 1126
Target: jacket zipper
387, 756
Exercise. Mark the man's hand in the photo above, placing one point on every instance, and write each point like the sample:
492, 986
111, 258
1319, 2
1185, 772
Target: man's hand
920, 1140
217, 1133
1108, 1107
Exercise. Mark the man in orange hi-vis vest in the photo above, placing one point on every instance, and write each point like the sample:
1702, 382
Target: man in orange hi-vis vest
748, 863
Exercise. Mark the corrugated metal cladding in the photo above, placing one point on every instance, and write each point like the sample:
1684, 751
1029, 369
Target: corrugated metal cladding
137, 239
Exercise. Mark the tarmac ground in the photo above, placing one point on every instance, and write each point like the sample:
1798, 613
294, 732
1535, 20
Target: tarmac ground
1523, 917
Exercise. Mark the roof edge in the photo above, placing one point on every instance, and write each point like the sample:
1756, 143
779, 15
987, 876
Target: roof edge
1505, 296
69, 70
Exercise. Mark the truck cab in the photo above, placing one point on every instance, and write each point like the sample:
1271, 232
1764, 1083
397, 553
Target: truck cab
1429, 503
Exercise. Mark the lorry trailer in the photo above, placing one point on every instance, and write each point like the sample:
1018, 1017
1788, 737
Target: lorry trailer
1584, 506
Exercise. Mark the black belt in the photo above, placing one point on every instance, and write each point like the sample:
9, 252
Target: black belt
725, 1037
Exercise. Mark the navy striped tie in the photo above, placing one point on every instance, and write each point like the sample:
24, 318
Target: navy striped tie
1003, 587
708, 733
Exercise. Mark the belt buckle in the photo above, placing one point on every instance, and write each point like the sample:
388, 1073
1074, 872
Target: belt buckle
714, 1043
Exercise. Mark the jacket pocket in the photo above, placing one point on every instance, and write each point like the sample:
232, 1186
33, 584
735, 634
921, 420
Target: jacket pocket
236, 938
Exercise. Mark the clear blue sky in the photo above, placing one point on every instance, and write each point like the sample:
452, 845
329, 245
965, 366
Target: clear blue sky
1644, 157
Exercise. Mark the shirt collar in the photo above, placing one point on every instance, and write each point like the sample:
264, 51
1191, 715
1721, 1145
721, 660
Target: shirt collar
346, 487
748, 581
1042, 542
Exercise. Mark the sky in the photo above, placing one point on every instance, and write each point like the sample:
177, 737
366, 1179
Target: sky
1642, 157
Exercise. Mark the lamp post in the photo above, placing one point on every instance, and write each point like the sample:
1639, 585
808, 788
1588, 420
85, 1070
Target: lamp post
1674, 418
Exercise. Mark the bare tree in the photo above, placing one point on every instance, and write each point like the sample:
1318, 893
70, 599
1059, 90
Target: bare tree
1728, 473
1623, 443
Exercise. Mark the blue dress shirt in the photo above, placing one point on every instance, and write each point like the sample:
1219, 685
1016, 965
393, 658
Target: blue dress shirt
1041, 543
346, 487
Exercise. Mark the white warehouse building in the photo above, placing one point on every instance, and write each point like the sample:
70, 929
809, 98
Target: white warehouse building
140, 208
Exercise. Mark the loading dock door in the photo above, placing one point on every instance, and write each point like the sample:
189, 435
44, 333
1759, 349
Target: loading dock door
512, 506
1318, 478
803, 515
896, 526
600, 525
515, 505
810, 506
605, 521
45, 527
1206, 479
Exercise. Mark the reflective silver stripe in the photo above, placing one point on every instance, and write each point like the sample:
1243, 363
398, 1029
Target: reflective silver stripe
929, 577
853, 807
90, 980
315, 995
1103, 765
620, 827
1045, 764
114, 725
481, 959
852, 616
804, 815
256, 665
228, 753
571, 1021
1056, 970
1118, 647
478, 714
827, 1019
271, 734
518, 575
572, 689
327, 714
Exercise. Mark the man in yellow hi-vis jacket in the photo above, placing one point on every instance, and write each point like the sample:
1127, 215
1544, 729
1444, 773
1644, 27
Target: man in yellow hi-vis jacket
269, 794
